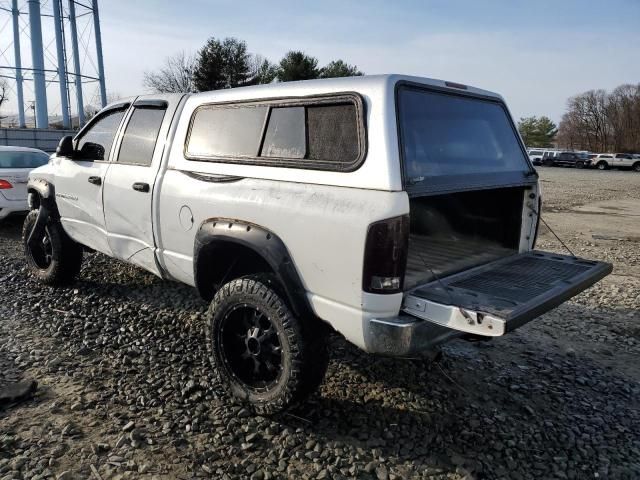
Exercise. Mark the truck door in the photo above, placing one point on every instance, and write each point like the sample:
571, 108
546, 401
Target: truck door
623, 160
79, 181
129, 185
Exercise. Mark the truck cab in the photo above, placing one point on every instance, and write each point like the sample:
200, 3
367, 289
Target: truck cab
399, 211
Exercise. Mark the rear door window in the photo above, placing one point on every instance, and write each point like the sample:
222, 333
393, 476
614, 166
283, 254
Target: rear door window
140, 136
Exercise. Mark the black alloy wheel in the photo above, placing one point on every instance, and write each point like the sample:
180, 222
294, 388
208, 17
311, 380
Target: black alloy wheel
251, 348
264, 355
40, 250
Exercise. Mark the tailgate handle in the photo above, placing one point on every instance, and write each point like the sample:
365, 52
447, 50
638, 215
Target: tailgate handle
95, 180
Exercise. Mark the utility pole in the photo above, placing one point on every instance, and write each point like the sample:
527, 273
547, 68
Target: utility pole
16, 48
76, 60
62, 68
37, 54
98, 35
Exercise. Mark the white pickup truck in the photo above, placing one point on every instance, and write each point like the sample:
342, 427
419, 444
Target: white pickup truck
400, 211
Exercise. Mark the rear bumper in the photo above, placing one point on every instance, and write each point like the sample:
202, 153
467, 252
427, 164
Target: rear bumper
405, 336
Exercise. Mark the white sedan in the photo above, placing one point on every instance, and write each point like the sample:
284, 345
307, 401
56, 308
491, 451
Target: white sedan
15, 165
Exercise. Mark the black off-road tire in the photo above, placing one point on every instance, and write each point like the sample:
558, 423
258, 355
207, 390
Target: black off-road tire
62, 265
303, 354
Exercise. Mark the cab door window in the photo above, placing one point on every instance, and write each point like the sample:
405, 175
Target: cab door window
96, 142
140, 136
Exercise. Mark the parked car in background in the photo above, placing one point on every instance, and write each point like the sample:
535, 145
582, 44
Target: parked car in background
15, 165
548, 156
626, 161
535, 155
568, 159
603, 161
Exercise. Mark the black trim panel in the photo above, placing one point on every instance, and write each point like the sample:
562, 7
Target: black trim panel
218, 231
211, 178
149, 103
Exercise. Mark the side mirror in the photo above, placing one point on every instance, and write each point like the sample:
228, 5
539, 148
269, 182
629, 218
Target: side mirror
65, 147
91, 151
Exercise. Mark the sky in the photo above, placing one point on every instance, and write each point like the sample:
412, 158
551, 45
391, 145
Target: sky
535, 53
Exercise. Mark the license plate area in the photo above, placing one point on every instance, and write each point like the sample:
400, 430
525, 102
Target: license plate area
497, 297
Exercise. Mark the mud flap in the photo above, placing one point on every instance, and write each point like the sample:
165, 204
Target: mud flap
500, 296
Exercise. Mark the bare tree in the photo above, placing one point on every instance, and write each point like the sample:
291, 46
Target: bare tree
4, 87
600, 122
261, 70
175, 76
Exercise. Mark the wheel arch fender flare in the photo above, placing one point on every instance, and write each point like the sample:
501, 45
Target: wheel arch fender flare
45, 192
218, 232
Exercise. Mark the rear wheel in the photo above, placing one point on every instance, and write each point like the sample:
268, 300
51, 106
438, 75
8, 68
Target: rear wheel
636, 167
547, 162
602, 165
53, 258
579, 164
263, 354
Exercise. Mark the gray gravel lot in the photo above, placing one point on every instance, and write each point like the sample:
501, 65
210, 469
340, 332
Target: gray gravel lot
125, 390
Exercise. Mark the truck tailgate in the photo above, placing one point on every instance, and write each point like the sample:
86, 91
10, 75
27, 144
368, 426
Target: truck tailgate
500, 296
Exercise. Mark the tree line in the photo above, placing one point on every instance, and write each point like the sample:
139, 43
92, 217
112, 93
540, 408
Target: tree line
601, 121
597, 121
227, 63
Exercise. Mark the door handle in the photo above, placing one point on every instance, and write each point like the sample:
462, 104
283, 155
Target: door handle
95, 180
141, 187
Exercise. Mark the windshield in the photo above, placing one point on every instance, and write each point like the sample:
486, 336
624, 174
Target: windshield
446, 137
22, 159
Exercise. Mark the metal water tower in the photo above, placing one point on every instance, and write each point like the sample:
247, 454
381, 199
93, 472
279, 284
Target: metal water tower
76, 29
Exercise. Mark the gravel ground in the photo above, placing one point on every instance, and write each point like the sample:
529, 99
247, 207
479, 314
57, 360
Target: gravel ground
125, 390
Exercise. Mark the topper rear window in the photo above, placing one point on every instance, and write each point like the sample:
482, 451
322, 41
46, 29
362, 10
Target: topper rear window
452, 141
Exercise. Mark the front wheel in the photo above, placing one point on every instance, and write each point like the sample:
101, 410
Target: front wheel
53, 258
263, 354
579, 164
636, 167
602, 166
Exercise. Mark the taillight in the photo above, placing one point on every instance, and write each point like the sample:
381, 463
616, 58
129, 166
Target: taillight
5, 185
385, 255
